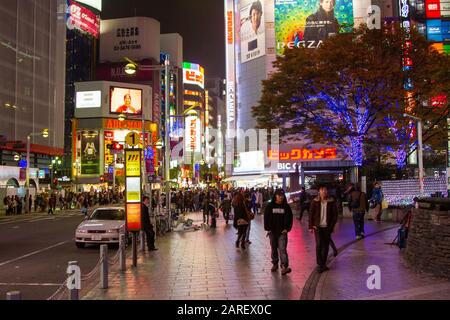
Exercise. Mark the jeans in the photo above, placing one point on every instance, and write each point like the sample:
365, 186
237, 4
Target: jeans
358, 219
150, 237
242, 230
247, 234
323, 236
278, 243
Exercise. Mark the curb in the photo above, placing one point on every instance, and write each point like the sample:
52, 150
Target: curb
316, 279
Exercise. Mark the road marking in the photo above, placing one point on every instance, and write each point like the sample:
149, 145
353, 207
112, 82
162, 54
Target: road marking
34, 252
31, 284
37, 220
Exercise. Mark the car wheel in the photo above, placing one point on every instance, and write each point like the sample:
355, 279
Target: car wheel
80, 244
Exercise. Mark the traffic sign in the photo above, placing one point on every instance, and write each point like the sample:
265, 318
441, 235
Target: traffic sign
132, 139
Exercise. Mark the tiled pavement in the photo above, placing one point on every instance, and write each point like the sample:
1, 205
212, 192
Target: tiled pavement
347, 276
205, 264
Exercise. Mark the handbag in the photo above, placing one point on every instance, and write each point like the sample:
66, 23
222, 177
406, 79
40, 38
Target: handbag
384, 204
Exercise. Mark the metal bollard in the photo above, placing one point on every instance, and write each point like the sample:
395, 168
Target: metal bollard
122, 254
73, 280
14, 295
104, 266
141, 241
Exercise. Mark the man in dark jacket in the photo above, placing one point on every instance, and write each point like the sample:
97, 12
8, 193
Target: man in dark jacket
322, 220
358, 205
322, 24
147, 227
278, 222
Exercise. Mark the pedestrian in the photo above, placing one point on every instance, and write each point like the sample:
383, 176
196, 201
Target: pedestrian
358, 205
147, 226
30, 203
241, 218
212, 209
248, 203
225, 207
278, 223
206, 209
303, 201
377, 200
322, 220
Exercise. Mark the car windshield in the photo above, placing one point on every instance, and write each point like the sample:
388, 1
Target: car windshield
112, 214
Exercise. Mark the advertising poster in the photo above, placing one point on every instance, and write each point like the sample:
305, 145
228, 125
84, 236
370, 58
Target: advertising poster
253, 33
126, 100
90, 153
82, 19
308, 23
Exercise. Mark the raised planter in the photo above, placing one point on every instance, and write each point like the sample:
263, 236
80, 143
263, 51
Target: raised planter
428, 248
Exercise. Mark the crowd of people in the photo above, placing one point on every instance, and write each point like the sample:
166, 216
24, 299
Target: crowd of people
66, 200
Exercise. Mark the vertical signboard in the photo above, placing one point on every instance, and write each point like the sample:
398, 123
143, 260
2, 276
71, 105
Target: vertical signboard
133, 191
308, 23
230, 78
252, 30
90, 153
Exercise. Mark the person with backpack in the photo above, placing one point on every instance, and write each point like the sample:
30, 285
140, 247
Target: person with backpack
358, 205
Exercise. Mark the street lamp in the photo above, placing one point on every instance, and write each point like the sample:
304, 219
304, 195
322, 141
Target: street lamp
420, 150
131, 69
44, 133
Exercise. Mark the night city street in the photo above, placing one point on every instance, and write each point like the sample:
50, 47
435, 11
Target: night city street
225, 158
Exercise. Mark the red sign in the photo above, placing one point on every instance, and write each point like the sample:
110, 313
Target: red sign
82, 19
304, 154
433, 9
133, 217
439, 101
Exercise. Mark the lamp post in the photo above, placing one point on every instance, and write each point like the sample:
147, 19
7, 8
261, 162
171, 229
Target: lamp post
131, 69
420, 151
44, 134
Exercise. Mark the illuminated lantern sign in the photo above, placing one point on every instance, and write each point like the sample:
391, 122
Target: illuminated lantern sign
230, 37
82, 19
133, 193
194, 74
304, 154
193, 136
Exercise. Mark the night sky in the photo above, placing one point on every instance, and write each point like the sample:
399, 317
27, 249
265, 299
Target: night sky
199, 22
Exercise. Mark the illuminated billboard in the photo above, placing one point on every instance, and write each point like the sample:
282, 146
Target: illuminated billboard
88, 99
252, 30
252, 161
308, 23
194, 74
126, 100
82, 19
96, 4
193, 135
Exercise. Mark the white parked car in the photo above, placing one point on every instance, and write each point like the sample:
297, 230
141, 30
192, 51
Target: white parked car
104, 226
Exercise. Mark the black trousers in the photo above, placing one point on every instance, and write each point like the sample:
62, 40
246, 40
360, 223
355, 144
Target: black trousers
242, 231
150, 236
323, 237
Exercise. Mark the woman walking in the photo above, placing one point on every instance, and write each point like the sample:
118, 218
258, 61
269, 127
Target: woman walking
241, 219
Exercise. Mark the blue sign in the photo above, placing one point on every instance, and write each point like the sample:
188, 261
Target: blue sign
23, 163
434, 30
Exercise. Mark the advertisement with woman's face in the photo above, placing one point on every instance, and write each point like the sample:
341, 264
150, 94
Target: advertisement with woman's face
126, 101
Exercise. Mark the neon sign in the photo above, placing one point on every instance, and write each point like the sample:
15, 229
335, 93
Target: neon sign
304, 154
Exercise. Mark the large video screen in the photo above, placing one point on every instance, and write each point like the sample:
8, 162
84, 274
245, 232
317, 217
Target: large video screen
308, 23
126, 100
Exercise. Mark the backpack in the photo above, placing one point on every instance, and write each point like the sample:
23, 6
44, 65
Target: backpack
355, 203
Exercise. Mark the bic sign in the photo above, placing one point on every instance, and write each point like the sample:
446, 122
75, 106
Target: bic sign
133, 163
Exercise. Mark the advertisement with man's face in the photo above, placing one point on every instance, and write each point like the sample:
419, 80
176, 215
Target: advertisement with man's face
308, 23
252, 30
126, 100
90, 153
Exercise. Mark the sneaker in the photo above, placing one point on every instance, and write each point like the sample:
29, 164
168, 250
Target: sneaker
248, 241
285, 271
358, 237
363, 235
274, 267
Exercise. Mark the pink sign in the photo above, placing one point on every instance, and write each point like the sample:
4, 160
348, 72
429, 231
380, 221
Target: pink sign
83, 19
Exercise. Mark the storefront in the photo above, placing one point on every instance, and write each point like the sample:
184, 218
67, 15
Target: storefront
100, 128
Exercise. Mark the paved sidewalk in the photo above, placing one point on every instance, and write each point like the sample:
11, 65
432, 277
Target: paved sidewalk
347, 277
205, 264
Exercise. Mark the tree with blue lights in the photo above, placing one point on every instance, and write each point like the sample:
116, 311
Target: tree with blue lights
350, 93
